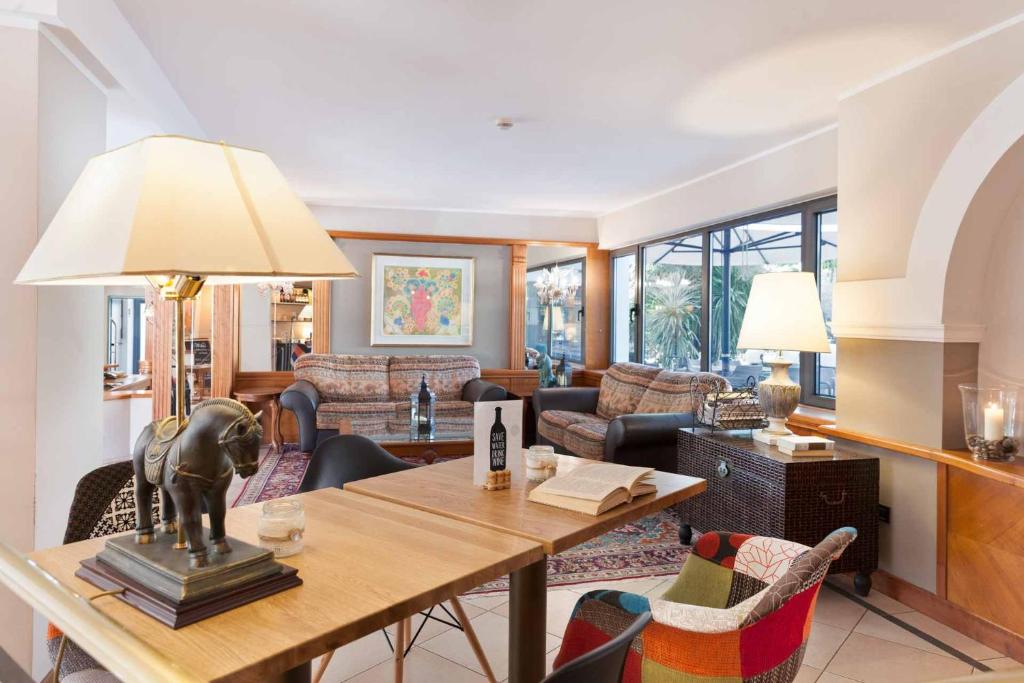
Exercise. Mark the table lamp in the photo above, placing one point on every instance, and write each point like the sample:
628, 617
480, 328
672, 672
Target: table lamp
176, 213
783, 314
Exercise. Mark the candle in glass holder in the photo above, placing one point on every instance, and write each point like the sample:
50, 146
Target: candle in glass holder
993, 422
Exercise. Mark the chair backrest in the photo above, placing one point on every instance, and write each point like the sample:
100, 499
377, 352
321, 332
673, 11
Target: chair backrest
446, 375
622, 387
104, 503
345, 458
603, 664
345, 378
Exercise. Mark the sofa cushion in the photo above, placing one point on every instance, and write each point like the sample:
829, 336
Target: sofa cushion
552, 423
446, 375
450, 417
622, 387
366, 418
345, 378
669, 392
586, 439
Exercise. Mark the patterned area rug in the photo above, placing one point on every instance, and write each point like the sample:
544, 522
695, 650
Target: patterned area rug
648, 547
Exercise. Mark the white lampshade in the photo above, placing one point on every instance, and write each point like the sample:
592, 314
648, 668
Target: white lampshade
169, 205
784, 314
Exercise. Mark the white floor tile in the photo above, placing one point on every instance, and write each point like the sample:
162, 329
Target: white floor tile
356, 657
560, 606
492, 630
420, 666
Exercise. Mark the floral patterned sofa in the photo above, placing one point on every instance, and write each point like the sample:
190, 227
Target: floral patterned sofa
632, 419
372, 393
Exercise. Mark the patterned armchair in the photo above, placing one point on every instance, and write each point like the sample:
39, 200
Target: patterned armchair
740, 610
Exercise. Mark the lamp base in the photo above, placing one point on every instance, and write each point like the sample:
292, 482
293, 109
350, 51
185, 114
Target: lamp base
779, 396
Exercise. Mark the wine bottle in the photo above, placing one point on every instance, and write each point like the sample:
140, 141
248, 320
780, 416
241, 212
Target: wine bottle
560, 372
498, 443
423, 407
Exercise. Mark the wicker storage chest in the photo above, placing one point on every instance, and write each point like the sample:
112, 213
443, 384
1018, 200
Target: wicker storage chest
754, 488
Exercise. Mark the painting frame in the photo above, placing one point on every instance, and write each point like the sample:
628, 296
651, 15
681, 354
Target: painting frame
384, 298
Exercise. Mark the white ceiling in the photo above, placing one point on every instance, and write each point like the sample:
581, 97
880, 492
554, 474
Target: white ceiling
371, 103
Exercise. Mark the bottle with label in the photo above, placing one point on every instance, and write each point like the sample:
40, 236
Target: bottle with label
498, 444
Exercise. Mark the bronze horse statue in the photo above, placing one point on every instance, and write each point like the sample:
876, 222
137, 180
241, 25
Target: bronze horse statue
193, 464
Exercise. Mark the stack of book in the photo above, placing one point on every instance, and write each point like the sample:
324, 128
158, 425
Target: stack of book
806, 446
594, 488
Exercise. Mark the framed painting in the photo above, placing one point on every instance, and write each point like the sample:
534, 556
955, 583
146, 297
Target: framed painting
421, 300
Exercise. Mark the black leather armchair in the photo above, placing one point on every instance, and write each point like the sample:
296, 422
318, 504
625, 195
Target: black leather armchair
647, 440
302, 398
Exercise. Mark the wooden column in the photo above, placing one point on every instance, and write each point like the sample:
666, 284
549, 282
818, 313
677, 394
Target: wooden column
517, 307
322, 316
163, 341
597, 309
224, 344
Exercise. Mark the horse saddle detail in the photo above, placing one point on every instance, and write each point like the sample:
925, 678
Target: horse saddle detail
165, 435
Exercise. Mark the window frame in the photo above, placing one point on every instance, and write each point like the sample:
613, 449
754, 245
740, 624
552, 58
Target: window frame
638, 277
809, 254
582, 319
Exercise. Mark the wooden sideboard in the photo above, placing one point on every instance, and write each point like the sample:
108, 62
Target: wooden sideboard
979, 540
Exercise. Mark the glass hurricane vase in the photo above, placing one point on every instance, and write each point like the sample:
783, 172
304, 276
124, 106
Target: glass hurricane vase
992, 421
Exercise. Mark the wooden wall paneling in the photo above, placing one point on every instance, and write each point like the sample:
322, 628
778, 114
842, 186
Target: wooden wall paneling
517, 307
985, 548
224, 345
163, 340
321, 316
941, 527
597, 308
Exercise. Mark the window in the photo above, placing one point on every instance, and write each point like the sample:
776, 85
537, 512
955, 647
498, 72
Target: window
624, 309
828, 249
693, 291
672, 295
554, 309
737, 255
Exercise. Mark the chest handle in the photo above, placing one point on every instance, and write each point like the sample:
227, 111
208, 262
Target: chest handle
840, 501
723, 469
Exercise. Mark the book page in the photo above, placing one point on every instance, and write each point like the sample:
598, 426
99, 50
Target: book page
575, 486
610, 473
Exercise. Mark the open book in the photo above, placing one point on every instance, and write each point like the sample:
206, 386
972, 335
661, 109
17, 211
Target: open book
594, 487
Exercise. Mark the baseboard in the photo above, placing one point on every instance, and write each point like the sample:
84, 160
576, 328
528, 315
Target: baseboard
950, 614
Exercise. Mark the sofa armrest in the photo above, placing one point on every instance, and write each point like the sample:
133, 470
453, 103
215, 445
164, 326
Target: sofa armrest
481, 390
576, 399
302, 398
647, 439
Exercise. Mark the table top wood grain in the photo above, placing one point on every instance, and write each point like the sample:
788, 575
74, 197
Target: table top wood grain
447, 489
366, 563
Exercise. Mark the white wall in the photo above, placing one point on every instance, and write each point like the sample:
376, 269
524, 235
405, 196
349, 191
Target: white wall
350, 300
71, 320
254, 333
456, 223
18, 179
800, 170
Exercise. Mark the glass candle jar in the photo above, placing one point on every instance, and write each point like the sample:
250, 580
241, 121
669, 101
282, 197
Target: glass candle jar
540, 463
992, 421
281, 526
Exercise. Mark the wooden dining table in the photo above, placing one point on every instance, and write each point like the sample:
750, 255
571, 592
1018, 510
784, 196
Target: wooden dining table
367, 563
447, 490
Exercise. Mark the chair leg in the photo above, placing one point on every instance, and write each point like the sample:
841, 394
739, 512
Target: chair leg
324, 661
474, 643
401, 637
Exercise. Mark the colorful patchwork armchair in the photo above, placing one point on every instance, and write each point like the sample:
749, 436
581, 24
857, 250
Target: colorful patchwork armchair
739, 611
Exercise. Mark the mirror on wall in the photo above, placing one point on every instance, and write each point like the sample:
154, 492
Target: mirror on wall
555, 279
275, 325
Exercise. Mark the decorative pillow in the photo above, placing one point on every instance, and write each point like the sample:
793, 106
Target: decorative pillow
622, 387
345, 378
446, 375
670, 392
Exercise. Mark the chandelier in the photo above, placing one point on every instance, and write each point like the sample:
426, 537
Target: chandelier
557, 286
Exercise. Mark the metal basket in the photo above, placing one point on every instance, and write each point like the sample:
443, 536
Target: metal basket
716, 408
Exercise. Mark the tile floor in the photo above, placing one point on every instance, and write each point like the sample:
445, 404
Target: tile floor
848, 642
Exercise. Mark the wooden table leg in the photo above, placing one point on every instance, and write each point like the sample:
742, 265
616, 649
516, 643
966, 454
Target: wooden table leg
527, 624
276, 440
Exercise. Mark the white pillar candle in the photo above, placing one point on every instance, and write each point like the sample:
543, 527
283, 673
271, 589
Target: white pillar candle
993, 422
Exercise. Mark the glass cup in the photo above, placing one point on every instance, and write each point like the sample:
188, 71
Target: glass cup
281, 526
992, 421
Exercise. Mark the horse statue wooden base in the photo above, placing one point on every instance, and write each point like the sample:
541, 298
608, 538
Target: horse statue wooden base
191, 464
